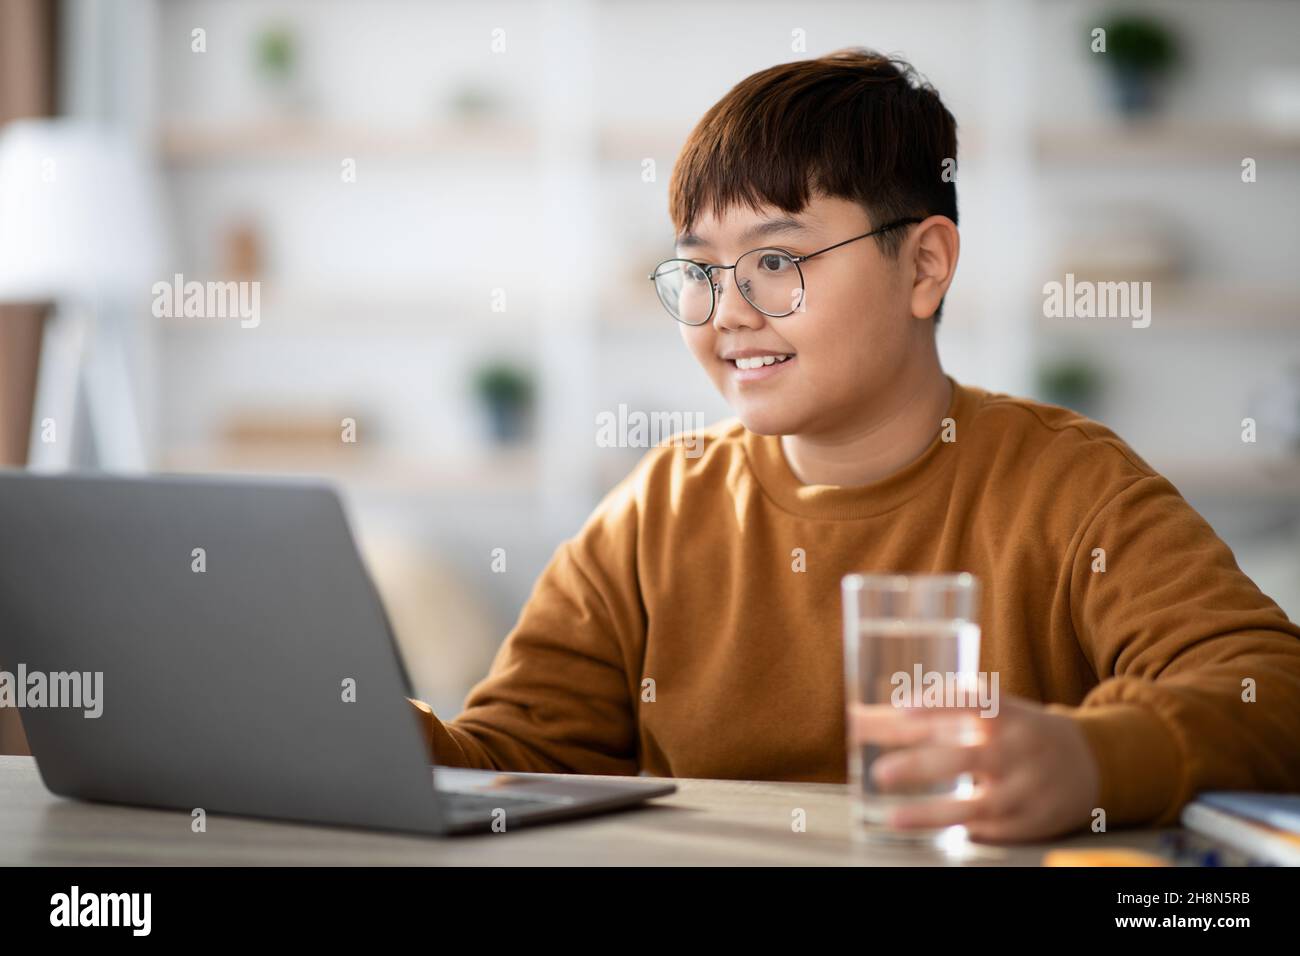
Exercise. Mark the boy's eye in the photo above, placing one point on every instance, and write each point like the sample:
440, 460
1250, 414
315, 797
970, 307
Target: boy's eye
774, 263
695, 273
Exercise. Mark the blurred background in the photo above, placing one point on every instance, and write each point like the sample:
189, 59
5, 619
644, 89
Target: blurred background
450, 210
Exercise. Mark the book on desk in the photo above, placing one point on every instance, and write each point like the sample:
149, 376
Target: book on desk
1251, 829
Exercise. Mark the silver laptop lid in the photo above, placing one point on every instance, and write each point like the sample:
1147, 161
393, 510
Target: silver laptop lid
247, 666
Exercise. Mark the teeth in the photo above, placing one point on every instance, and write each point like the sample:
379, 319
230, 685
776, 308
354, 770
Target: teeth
758, 361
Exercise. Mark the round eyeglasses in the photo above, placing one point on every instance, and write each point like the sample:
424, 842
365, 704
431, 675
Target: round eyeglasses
770, 280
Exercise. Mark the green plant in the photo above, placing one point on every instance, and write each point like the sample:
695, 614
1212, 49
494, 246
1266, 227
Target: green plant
471, 101
276, 52
503, 384
1070, 382
1139, 43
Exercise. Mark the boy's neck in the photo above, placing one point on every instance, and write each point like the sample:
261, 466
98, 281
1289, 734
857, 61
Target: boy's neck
876, 447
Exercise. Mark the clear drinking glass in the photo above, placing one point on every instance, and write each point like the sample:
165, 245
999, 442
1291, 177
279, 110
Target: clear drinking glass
898, 630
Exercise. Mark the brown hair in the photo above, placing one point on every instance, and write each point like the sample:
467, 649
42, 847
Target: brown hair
854, 124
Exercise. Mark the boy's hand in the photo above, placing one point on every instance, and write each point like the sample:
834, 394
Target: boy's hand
424, 713
1035, 775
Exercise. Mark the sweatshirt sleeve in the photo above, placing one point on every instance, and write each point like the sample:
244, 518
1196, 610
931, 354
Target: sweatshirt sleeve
560, 694
1199, 671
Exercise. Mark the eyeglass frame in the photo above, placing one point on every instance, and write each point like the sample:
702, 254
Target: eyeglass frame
713, 286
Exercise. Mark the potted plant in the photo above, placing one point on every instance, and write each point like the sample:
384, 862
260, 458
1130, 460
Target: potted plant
507, 394
1072, 383
276, 59
1140, 51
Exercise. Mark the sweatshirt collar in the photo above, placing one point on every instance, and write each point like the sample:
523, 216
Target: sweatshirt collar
768, 462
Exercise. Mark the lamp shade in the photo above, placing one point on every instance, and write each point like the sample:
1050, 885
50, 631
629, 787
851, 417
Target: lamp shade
79, 216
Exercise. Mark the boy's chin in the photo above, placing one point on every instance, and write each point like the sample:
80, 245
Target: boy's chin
768, 421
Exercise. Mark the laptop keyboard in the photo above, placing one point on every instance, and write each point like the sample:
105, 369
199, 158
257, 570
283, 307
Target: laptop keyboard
461, 807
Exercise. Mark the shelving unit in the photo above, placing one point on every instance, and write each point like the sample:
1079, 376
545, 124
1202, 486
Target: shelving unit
1226, 313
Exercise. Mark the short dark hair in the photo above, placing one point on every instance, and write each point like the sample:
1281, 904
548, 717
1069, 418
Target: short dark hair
853, 124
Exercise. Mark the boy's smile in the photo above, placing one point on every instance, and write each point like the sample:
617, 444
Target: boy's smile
756, 365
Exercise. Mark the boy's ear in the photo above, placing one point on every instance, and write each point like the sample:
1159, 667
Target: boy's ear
935, 246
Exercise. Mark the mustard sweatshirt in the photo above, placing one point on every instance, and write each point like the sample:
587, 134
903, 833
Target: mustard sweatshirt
684, 576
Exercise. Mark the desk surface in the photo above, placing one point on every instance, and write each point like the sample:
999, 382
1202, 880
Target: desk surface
709, 822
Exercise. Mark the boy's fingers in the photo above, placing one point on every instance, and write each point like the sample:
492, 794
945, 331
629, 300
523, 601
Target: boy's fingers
888, 726
937, 813
923, 765
425, 714
885, 726
996, 810
993, 808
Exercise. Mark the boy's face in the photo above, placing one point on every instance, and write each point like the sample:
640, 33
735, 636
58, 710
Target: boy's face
846, 346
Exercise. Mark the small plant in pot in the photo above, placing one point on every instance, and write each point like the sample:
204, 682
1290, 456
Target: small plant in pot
1140, 51
276, 58
1072, 383
507, 395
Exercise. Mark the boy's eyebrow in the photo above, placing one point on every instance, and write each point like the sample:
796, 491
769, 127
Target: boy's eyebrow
765, 228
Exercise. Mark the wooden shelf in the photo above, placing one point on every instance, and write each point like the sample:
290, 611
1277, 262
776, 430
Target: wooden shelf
488, 472
1269, 477
617, 142
298, 306
288, 139
182, 143
1161, 140
1196, 307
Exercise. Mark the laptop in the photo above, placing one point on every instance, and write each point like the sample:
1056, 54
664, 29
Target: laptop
239, 659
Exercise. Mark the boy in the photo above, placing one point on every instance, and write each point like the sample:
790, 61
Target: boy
674, 636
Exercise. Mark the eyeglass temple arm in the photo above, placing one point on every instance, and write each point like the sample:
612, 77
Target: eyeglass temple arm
910, 221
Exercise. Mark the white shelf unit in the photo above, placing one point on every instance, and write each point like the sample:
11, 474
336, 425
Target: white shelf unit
277, 167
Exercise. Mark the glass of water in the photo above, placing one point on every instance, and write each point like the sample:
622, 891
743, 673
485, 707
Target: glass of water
909, 641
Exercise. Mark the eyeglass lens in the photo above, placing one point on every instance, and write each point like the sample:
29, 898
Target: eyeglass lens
768, 278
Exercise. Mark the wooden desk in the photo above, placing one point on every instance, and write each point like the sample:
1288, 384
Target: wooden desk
709, 822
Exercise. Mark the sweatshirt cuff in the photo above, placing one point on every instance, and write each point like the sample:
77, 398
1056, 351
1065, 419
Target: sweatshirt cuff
1139, 766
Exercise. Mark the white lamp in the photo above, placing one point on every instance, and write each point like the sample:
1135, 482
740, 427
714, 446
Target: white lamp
79, 227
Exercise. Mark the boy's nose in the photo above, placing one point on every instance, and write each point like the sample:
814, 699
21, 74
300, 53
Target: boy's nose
734, 310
